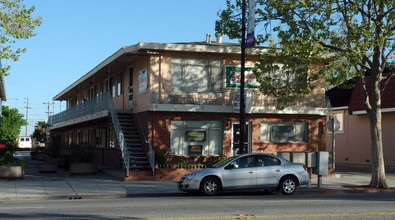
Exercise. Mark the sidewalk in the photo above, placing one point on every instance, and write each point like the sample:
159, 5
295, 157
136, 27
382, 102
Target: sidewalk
62, 185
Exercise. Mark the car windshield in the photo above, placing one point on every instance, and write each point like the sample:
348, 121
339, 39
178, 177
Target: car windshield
223, 162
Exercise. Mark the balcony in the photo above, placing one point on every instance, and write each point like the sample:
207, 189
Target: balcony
89, 110
209, 102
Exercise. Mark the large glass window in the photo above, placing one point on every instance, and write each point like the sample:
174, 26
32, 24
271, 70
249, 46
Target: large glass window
283, 132
196, 138
197, 75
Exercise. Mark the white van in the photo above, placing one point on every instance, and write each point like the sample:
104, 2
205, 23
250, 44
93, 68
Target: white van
25, 142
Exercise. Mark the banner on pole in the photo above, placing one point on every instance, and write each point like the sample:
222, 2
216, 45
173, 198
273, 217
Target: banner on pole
250, 41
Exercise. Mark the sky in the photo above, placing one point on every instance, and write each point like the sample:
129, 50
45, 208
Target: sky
76, 35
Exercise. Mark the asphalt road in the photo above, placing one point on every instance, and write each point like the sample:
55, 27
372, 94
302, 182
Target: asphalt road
228, 206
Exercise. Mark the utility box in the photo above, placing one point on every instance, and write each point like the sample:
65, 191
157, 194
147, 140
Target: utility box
299, 157
311, 159
285, 155
322, 163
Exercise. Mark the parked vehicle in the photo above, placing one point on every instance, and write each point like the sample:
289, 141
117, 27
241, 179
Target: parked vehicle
25, 142
247, 171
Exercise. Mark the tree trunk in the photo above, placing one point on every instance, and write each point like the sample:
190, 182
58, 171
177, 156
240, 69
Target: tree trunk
378, 179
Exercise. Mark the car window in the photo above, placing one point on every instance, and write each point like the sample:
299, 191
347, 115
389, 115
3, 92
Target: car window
266, 160
223, 162
244, 162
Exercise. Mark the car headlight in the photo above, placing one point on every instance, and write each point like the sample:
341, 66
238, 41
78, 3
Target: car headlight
190, 176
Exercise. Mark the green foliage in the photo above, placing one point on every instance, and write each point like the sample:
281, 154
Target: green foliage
52, 146
356, 39
16, 22
39, 131
7, 159
356, 36
12, 122
82, 153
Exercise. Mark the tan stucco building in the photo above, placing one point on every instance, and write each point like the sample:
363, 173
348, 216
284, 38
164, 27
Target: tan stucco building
184, 95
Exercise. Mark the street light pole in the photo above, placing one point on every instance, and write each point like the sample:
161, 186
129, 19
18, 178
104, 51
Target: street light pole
243, 56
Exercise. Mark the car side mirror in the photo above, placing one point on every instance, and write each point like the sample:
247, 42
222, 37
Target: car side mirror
230, 166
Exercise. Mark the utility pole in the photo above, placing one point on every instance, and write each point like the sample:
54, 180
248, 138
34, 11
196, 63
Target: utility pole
49, 107
27, 114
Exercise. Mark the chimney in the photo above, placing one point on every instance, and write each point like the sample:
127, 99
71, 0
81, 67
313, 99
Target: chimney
219, 37
208, 38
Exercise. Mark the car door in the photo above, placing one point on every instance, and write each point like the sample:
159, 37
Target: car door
241, 173
269, 171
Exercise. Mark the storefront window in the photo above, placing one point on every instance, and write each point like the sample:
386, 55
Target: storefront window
196, 138
283, 132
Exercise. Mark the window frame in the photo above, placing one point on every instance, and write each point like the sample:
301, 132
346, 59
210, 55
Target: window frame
179, 81
267, 132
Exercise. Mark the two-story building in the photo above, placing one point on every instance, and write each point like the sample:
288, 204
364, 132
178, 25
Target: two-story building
183, 98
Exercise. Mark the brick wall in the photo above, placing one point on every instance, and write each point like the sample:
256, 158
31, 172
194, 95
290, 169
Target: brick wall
158, 129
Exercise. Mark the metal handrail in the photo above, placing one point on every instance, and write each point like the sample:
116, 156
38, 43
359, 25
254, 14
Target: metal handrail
120, 135
151, 154
89, 107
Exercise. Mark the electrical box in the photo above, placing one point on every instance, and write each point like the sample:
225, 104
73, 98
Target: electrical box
322, 163
311, 159
299, 157
285, 155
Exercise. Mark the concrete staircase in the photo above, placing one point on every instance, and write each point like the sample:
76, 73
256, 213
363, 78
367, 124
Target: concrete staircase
140, 168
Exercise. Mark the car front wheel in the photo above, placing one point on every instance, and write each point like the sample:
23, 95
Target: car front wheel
209, 187
288, 185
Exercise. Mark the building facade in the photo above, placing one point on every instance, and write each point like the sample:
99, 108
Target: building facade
182, 99
353, 139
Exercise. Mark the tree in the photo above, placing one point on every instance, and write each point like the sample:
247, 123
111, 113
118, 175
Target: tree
16, 22
12, 122
39, 131
358, 36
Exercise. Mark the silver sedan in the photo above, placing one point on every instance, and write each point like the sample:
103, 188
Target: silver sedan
247, 171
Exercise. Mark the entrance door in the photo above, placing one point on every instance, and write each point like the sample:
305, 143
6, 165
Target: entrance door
236, 138
130, 105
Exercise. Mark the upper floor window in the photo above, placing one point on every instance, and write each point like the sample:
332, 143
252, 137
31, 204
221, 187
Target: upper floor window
119, 86
197, 75
285, 77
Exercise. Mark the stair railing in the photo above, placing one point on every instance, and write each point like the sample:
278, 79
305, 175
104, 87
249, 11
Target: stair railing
119, 132
151, 153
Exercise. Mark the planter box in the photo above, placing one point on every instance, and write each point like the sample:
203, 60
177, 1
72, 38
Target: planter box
83, 168
12, 172
48, 167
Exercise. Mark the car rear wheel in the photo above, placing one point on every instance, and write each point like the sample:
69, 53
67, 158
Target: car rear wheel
288, 185
209, 187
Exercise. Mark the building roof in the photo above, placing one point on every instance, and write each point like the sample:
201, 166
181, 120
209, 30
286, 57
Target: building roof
387, 98
339, 95
143, 47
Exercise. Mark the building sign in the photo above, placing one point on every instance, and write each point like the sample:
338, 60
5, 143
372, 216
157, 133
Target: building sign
233, 77
195, 136
247, 102
143, 81
195, 149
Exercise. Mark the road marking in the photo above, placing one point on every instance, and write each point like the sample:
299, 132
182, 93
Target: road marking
251, 216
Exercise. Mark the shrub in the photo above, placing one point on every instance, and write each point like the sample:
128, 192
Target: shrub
7, 159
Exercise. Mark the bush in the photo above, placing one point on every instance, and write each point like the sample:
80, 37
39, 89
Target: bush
82, 153
7, 159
